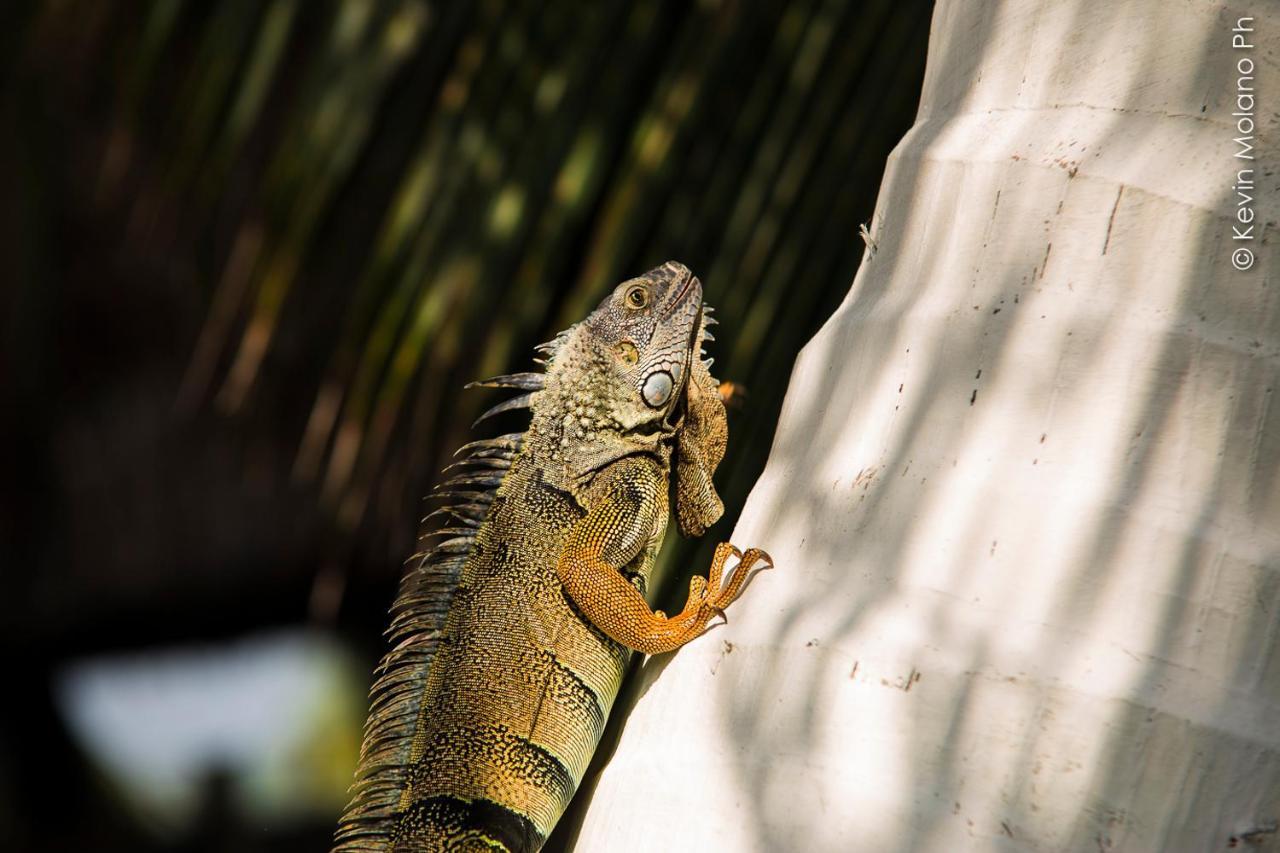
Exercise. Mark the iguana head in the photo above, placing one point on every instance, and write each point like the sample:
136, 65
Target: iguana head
648, 325
629, 379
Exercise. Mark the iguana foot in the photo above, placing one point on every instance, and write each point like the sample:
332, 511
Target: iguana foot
710, 596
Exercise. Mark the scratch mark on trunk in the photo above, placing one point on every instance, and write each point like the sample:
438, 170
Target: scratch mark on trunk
1112, 221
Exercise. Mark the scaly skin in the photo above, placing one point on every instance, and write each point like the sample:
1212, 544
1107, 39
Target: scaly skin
495, 695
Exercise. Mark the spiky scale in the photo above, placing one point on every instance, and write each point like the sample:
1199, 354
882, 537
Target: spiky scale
448, 531
493, 463
503, 444
469, 513
521, 402
457, 545
471, 521
473, 479
523, 381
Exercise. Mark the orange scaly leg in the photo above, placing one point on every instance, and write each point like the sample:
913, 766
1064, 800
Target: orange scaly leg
616, 607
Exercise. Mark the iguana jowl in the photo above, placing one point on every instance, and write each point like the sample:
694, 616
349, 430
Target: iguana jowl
510, 639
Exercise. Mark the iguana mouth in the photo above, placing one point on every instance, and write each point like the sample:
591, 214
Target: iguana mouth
681, 296
678, 411
681, 300
695, 327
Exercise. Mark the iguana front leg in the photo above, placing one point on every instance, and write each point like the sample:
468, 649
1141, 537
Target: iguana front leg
609, 537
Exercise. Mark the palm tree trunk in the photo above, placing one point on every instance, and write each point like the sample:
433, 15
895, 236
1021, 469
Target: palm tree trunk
1024, 498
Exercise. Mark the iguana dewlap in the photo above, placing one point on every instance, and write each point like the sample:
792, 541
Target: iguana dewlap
511, 637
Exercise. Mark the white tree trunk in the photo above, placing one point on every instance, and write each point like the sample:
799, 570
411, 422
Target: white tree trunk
1024, 498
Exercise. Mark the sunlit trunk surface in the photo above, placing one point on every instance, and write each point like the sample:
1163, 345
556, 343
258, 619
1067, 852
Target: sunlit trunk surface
1024, 497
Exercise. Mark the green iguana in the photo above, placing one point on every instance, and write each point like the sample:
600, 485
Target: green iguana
511, 637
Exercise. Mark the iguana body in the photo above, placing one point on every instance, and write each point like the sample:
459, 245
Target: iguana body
511, 638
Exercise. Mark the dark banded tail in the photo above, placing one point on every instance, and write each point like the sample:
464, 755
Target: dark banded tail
442, 823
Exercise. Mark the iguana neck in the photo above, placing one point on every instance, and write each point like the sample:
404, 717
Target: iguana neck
579, 424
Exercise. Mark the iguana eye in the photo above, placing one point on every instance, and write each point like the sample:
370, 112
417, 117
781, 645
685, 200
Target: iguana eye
637, 297
657, 389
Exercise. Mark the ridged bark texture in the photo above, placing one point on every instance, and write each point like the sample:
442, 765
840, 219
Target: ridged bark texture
1023, 499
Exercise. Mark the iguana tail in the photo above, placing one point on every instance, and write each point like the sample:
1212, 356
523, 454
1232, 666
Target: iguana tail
418, 617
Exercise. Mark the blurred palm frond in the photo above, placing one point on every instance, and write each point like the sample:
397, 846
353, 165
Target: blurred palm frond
259, 246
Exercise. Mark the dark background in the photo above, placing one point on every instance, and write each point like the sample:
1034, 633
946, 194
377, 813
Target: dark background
253, 251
